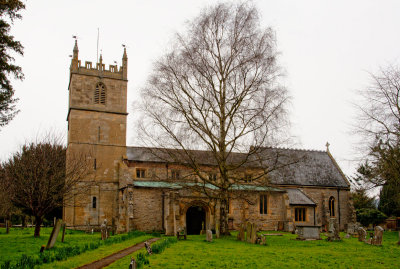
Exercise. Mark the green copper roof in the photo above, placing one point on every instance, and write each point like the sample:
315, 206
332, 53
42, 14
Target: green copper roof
171, 185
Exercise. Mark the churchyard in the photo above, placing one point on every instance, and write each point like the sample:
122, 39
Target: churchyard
196, 252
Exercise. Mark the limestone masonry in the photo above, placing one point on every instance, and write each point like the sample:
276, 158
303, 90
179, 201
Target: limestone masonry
133, 189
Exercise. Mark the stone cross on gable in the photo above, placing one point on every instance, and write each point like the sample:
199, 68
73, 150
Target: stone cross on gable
327, 146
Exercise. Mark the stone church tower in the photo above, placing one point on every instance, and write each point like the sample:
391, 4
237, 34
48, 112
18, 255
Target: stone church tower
97, 127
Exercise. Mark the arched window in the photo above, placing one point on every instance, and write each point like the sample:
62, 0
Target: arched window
332, 206
100, 94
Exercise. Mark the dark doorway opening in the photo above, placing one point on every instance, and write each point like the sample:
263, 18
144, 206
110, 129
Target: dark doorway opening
195, 216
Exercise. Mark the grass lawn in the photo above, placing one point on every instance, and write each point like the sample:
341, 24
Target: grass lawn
19, 242
280, 252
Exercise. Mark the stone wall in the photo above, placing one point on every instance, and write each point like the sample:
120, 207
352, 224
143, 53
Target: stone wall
147, 209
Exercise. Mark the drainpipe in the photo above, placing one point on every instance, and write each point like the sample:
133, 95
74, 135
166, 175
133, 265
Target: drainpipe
338, 202
162, 211
314, 215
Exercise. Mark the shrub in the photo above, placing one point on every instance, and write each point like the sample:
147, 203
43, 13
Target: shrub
141, 260
368, 216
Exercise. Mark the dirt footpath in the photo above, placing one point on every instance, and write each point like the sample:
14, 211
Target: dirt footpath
116, 256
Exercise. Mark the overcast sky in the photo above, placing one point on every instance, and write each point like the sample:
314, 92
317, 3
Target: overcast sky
327, 49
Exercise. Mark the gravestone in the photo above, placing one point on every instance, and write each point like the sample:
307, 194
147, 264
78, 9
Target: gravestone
351, 229
217, 230
209, 235
63, 232
241, 233
308, 232
103, 228
362, 234
253, 235
263, 240
248, 232
378, 235
333, 234
148, 248
132, 265
7, 226
54, 234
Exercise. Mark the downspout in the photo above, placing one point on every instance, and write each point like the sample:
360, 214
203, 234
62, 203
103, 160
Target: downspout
162, 211
338, 202
314, 215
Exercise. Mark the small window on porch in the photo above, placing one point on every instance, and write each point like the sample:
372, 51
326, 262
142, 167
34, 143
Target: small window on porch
140, 173
212, 176
263, 204
300, 214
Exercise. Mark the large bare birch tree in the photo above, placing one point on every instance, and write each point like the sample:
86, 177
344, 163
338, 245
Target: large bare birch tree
217, 90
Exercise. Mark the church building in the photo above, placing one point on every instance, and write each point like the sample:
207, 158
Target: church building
133, 188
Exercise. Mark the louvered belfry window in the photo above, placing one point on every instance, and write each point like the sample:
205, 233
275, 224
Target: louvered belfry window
100, 94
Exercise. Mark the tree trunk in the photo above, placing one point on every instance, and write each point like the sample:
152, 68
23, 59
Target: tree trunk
224, 217
38, 223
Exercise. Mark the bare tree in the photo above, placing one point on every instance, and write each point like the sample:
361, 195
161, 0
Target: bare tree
218, 90
379, 109
38, 181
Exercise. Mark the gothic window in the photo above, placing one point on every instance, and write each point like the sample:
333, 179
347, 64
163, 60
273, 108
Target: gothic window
140, 173
263, 204
94, 200
332, 206
100, 94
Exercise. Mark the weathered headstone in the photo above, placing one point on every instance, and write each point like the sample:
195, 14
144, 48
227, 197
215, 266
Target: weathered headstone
63, 232
248, 232
217, 230
132, 265
333, 230
148, 248
378, 235
253, 235
241, 233
308, 232
7, 226
209, 236
54, 234
104, 232
362, 234
263, 240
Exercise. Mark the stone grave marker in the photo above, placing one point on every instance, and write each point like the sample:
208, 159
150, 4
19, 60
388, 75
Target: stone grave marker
209, 236
103, 228
333, 234
253, 235
378, 236
241, 233
202, 229
263, 240
248, 232
132, 265
362, 234
148, 248
54, 234
63, 232
217, 230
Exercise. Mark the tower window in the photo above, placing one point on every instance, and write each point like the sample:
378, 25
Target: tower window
175, 174
263, 204
94, 200
140, 173
332, 207
100, 94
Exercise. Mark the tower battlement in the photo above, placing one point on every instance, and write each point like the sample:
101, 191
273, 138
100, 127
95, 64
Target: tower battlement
99, 69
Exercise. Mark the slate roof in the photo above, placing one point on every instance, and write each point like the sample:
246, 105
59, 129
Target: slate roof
297, 197
292, 166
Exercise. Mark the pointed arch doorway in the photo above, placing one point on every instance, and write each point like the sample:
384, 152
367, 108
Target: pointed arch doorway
195, 216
